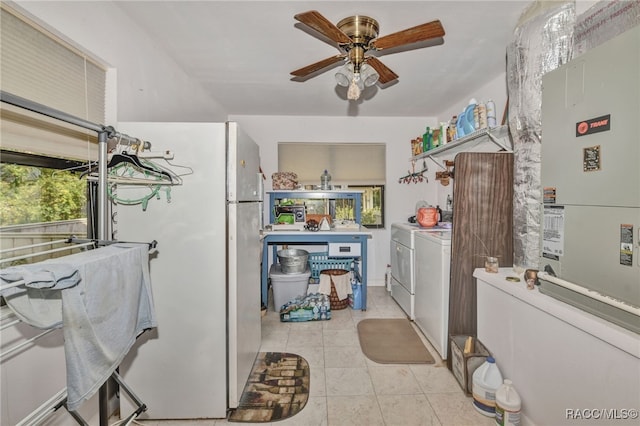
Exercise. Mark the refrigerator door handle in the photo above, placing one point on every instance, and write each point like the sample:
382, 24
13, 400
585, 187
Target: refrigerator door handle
260, 191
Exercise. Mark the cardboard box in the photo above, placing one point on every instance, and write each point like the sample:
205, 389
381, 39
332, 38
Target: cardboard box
463, 365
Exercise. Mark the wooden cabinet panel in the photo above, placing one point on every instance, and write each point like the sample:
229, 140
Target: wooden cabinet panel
482, 225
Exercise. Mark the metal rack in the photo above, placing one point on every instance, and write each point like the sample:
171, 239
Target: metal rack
104, 133
9, 319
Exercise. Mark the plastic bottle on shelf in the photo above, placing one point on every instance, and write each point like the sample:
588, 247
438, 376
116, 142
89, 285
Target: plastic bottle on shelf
435, 137
451, 134
325, 180
485, 382
508, 405
444, 128
427, 143
416, 146
476, 116
482, 116
491, 114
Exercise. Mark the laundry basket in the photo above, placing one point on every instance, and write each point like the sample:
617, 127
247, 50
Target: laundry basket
321, 261
335, 303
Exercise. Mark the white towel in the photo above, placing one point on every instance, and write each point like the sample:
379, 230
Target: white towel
41, 275
103, 315
38, 302
104, 302
342, 283
324, 284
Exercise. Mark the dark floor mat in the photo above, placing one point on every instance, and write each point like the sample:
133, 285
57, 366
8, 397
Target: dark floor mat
277, 388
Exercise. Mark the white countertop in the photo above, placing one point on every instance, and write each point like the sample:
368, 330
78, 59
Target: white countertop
606, 331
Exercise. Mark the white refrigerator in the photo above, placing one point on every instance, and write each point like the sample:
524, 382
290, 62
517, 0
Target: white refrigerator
205, 273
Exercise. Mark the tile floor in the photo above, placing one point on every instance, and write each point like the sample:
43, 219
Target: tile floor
349, 389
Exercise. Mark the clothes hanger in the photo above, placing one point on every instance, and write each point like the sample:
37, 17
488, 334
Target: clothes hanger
125, 157
133, 168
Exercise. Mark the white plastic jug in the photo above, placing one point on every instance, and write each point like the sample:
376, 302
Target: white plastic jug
486, 380
387, 278
508, 404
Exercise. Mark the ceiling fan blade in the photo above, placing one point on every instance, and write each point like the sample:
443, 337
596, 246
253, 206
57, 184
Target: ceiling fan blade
386, 75
309, 69
315, 20
411, 35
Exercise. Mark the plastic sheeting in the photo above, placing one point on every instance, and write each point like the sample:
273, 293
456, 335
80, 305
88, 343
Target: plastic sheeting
542, 42
604, 21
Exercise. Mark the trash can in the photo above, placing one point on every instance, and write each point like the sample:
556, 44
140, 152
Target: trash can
287, 287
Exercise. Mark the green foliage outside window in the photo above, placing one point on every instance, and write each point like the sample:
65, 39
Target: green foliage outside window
344, 212
371, 216
372, 204
33, 194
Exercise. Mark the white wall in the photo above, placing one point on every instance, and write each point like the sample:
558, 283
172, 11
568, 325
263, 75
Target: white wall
396, 133
495, 89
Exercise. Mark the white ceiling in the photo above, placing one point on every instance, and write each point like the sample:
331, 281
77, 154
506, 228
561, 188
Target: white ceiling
242, 52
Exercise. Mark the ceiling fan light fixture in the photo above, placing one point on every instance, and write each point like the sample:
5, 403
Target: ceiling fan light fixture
356, 81
368, 75
344, 75
353, 93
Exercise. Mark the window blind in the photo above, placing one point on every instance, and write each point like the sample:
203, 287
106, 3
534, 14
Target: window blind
36, 65
348, 163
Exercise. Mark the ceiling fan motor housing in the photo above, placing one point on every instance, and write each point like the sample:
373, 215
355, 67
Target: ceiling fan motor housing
361, 29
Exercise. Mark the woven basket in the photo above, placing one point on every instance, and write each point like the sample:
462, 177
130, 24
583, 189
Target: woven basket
284, 180
335, 303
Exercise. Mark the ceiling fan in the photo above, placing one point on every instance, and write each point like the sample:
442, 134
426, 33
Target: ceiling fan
356, 36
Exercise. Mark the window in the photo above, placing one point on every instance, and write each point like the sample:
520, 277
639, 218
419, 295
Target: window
42, 198
372, 205
358, 166
39, 192
37, 66
42, 68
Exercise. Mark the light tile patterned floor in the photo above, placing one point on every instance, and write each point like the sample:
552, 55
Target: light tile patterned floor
348, 389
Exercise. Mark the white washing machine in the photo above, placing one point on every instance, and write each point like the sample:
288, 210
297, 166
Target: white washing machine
420, 265
402, 266
432, 257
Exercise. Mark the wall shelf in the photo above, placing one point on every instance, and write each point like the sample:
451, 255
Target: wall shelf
475, 142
